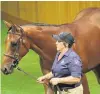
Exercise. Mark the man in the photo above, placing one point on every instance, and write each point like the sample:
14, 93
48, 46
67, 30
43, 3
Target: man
67, 67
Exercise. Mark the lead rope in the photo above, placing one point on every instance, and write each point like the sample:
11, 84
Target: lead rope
58, 89
35, 78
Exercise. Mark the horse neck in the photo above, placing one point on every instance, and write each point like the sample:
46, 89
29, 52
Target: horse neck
41, 42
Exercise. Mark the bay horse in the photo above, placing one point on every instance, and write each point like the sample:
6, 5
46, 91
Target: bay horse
85, 29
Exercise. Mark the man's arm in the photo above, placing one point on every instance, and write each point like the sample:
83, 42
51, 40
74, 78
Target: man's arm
49, 75
69, 80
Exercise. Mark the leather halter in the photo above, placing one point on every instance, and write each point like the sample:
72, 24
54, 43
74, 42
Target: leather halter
19, 41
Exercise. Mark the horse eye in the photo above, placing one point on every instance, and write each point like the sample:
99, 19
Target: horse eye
13, 44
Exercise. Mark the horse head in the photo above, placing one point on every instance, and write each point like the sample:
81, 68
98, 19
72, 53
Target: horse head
16, 47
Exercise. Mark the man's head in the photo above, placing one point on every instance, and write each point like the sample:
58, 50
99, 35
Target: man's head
65, 37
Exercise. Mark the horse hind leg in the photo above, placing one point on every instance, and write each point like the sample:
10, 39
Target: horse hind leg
48, 89
96, 70
85, 85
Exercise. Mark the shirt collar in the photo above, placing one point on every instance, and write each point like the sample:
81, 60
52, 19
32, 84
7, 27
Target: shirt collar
66, 53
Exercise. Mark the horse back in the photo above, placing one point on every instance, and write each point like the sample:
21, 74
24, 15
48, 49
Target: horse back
85, 12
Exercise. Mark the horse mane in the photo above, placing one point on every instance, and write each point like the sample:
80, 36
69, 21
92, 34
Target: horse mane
40, 24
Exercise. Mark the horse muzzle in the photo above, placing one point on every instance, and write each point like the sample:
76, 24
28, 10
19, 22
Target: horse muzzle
7, 70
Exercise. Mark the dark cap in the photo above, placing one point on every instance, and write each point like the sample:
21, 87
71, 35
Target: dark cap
64, 36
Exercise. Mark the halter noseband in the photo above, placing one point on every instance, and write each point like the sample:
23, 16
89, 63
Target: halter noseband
16, 54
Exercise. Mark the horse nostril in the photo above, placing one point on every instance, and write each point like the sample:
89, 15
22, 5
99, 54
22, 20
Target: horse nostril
4, 71
7, 69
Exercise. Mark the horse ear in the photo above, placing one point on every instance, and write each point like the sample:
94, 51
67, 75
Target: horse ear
17, 27
8, 25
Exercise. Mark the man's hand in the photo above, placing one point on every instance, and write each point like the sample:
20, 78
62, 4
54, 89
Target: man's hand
43, 80
54, 81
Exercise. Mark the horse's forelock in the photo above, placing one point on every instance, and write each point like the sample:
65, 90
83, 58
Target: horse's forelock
15, 28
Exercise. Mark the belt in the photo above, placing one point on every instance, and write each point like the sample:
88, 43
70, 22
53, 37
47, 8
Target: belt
66, 88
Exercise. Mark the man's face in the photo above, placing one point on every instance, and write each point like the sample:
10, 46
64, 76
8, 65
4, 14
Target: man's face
60, 46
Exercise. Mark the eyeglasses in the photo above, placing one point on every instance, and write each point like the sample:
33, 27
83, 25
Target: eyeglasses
59, 41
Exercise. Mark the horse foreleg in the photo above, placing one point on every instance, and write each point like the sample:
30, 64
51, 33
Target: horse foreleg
45, 67
85, 85
96, 70
48, 90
